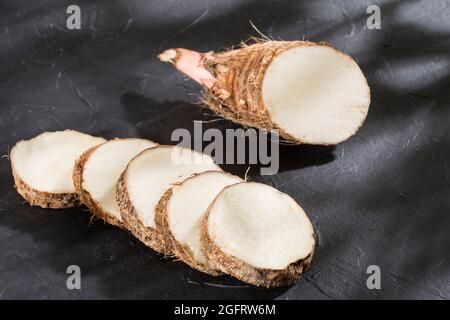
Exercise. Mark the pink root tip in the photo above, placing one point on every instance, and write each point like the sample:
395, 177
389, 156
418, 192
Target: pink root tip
191, 63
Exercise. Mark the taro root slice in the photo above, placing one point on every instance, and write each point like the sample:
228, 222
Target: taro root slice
42, 167
97, 171
180, 211
258, 235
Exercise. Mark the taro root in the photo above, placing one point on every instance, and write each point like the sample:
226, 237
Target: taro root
309, 92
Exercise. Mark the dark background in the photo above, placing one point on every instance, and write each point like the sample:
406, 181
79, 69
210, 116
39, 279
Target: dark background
380, 198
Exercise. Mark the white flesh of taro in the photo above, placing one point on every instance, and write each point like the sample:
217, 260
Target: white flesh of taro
188, 204
154, 171
260, 226
45, 163
104, 167
316, 94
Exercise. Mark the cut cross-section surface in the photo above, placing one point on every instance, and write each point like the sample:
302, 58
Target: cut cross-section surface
316, 94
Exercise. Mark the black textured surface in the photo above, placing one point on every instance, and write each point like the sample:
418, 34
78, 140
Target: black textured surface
380, 198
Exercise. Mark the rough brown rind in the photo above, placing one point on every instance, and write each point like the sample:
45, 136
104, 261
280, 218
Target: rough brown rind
44, 199
85, 196
149, 236
180, 251
242, 271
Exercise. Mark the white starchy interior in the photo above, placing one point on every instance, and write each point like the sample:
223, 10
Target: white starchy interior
260, 225
104, 167
45, 163
154, 171
316, 94
188, 204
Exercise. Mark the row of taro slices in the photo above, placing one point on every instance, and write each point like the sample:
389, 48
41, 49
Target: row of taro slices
175, 200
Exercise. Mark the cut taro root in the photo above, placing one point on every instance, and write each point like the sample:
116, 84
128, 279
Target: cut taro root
42, 167
180, 211
144, 182
310, 92
258, 235
96, 173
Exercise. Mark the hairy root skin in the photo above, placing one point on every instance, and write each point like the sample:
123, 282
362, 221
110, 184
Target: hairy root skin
242, 271
149, 236
45, 199
85, 197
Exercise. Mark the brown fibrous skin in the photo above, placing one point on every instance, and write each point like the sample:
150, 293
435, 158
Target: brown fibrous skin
85, 197
237, 268
180, 251
236, 94
44, 199
147, 235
